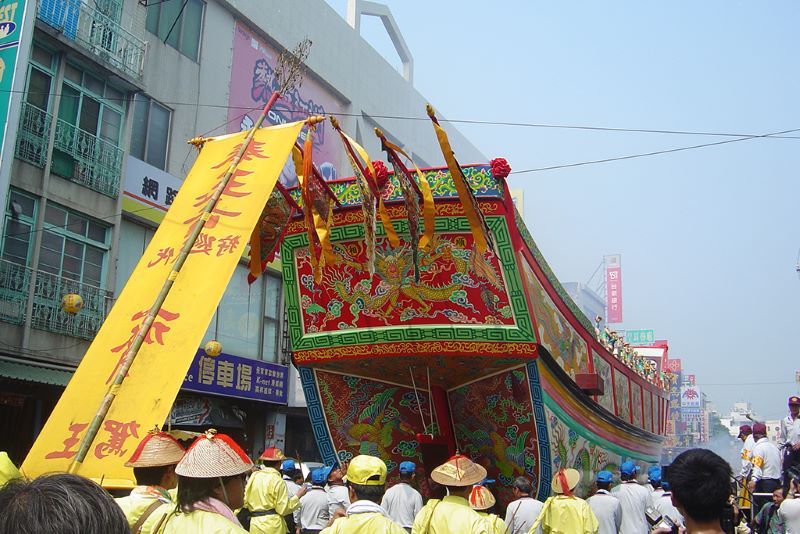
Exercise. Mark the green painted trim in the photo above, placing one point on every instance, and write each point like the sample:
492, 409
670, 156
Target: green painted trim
590, 436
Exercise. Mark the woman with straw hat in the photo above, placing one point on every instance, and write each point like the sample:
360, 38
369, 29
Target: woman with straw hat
453, 513
482, 501
565, 513
211, 478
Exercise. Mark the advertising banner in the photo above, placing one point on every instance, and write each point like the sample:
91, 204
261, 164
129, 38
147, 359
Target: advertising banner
145, 397
690, 398
148, 192
613, 265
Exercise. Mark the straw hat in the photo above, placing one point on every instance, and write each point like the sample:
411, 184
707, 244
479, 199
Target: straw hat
213, 455
155, 450
571, 477
272, 454
481, 498
458, 471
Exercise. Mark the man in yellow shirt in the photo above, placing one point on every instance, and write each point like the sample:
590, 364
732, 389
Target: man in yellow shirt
564, 513
453, 513
267, 498
153, 463
366, 482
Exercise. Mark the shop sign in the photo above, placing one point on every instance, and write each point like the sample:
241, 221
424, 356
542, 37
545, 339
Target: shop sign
233, 376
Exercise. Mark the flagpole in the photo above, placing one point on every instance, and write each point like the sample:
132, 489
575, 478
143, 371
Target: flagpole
287, 74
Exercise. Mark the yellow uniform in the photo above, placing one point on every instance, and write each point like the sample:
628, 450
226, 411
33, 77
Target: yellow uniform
199, 521
496, 525
567, 515
366, 523
266, 490
451, 514
140, 500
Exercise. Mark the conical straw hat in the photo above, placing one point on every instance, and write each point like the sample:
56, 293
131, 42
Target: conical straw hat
481, 498
213, 455
156, 449
458, 471
570, 476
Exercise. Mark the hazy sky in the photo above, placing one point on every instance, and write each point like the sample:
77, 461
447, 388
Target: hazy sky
709, 237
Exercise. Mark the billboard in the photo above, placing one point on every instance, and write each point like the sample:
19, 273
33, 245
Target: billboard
252, 82
690, 399
613, 265
640, 337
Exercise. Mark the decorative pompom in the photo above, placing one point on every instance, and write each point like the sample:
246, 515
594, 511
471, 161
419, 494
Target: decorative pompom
500, 168
381, 173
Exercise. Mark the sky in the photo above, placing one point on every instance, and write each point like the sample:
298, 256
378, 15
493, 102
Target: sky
709, 237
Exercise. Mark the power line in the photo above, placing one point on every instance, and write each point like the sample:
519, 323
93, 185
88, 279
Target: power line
654, 153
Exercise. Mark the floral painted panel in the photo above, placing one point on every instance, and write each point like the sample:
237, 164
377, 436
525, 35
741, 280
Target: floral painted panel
603, 368
636, 403
648, 411
622, 388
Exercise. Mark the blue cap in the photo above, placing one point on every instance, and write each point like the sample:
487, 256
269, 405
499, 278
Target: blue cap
654, 473
320, 475
628, 468
605, 476
288, 464
665, 485
408, 467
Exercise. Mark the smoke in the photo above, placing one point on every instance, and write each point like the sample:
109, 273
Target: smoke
728, 447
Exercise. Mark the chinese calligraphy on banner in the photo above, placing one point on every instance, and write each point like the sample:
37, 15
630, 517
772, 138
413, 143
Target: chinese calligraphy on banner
234, 376
613, 266
146, 396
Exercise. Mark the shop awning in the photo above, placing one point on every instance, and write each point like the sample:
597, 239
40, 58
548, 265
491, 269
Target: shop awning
34, 373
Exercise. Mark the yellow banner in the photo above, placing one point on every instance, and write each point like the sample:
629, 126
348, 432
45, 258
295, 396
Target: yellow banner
146, 396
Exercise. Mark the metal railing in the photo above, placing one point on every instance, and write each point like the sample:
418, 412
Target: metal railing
49, 289
97, 33
96, 163
33, 133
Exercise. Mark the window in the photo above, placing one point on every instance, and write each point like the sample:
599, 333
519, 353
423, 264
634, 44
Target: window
91, 105
73, 245
20, 217
40, 78
177, 25
273, 305
150, 136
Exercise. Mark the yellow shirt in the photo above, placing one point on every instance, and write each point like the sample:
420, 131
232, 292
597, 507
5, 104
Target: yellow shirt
496, 525
266, 490
567, 515
450, 515
366, 523
199, 521
140, 499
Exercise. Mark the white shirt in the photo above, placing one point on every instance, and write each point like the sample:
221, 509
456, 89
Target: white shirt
790, 430
402, 503
635, 500
291, 487
313, 512
766, 460
521, 515
665, 507
338, 497
790, 513
747, 455
607, 510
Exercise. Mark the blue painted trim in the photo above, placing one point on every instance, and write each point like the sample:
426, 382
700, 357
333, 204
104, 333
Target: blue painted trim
317, 416
545, 464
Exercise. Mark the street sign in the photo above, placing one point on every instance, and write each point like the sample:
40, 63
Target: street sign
640, 337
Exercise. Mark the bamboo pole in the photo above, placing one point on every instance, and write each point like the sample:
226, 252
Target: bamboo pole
130, 355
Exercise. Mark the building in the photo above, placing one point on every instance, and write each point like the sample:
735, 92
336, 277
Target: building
112, 91
589, 302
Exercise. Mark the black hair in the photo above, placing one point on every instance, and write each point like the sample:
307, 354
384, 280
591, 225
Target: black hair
627, 476
523, 485
296, 475
406, 477
701, 482
655, 483
603, 485
59, 504
192, 490
368, 493
149, 476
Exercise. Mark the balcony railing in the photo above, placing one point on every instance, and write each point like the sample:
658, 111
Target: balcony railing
47, 313
87, 159
34, 130
97, 33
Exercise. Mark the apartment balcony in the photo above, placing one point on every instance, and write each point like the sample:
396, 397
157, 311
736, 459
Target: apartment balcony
32, 135
96, 33
15, 281
86, 159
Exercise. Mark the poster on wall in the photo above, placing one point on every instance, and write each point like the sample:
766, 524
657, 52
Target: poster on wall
252, 83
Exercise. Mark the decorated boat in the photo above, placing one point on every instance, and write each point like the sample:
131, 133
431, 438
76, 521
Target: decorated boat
413, 352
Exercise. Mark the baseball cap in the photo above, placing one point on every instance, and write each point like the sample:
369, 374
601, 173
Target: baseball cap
654, 473
366, 470
320, 475
288, 465
745, 429
628, 468
605, 477
794, 399
408, 467
760, 428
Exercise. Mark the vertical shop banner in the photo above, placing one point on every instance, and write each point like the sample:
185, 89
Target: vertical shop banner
252, 83
613, 265
12, 14
145, 397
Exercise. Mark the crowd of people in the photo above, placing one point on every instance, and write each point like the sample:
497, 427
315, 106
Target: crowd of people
213, 486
